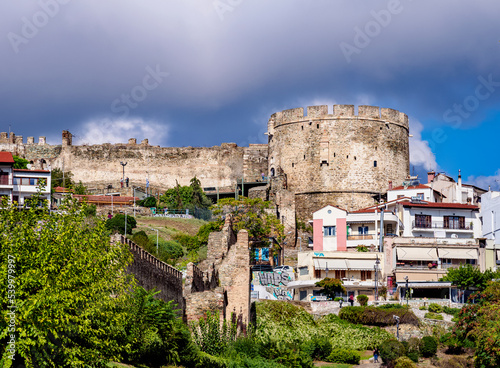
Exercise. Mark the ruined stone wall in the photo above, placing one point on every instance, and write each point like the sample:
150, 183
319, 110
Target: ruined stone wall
338, 158
100, 164
151, 273
222, 282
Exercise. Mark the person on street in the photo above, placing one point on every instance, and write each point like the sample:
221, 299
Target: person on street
375, 355
351, 299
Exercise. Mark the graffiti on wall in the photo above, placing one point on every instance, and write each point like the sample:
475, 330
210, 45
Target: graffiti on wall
275, 283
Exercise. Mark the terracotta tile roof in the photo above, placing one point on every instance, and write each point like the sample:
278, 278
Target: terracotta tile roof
28, 170
442, 205
6, 158
371, 209
105, 199
420, 186
62, 190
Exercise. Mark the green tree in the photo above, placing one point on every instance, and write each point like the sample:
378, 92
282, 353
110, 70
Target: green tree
253, 215
57, 178
20, 163
80, 188
182, 197
199, 199
117, 224
67, 284
205, 230
469, 276
330, 287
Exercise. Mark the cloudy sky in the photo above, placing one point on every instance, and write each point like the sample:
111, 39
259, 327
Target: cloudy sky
203, 72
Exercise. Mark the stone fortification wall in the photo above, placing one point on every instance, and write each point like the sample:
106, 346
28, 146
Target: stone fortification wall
100, 164
342, 158
222, 282
151, 273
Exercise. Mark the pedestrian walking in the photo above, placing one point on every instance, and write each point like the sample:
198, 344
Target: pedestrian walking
375, 355
121, 182
126, 181
109, 215
351, 299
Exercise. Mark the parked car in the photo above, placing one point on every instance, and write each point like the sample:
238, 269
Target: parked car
283, 268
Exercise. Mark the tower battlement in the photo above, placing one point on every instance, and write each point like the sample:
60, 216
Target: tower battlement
320, 112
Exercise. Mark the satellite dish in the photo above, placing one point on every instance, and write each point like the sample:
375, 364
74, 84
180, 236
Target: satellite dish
29, 166
454, 236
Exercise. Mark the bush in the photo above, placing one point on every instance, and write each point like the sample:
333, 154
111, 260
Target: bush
433, 316
413, 348
404, 362
338, 298
318, 348
147, 202
392, 306
206, 229
422, 307
435, 308
378, 316
382, 292
344, 356
141, 238
390, 350
429, 346
362, 300
188, 241
451, 311
117, 224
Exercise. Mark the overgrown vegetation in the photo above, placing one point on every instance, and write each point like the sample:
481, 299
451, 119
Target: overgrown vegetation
331, 287
116, 224
469, 276
378, 316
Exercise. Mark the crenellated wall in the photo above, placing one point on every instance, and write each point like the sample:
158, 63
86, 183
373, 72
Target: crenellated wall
344, 159
97, 165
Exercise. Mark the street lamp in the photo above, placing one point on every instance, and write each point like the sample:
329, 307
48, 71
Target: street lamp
407, 290
156, 239
123, 164
377, 264
397, 325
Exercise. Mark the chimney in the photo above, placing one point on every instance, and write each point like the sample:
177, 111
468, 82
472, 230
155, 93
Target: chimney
430, 176
460, 178
390, 184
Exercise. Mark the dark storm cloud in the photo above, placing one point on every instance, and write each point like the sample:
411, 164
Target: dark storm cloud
84, 65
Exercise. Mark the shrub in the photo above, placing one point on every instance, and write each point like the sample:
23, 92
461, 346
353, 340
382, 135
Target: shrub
318, 348
435, 308
455, 362
338, 298
390, 350
147, 202
188, 241
344, 356
413, 348
117, 224
423, 307
362, 300
392, 306
382, 292
206, 229
404, 362
429, 346
451, 311
433, 316
378, 316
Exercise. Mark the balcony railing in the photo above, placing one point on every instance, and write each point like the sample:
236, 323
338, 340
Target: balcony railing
5, 180
369, 236
441, 225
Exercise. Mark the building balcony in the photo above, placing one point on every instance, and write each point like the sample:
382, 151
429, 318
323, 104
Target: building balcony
6, 182
430, 226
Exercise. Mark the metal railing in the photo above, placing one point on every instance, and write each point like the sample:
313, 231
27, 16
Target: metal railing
441, 225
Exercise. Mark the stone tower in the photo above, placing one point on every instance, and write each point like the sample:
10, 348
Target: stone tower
341, 159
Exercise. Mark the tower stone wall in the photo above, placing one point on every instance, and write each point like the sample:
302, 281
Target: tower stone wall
345, 159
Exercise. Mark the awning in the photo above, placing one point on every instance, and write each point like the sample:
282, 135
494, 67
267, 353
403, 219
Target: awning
425, 285
361, 264
301, 284
416, 254
457, 253
332, 263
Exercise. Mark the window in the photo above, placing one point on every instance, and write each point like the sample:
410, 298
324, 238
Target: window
317, 274
470, 261
423, 221
340, 274
420, 196
374, 163
400, 196
363, 230
366, 275
328, 230
454, 222
303, 271
303, 294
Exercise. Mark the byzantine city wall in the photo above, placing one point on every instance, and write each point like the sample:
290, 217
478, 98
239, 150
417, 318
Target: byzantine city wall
216, 166
345, 159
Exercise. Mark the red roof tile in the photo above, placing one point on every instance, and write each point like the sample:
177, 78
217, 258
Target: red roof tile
28, 170
105, 199
442, 205
6, 158
420, 186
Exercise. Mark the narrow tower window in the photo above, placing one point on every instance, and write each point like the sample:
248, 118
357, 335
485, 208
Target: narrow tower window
374, 163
